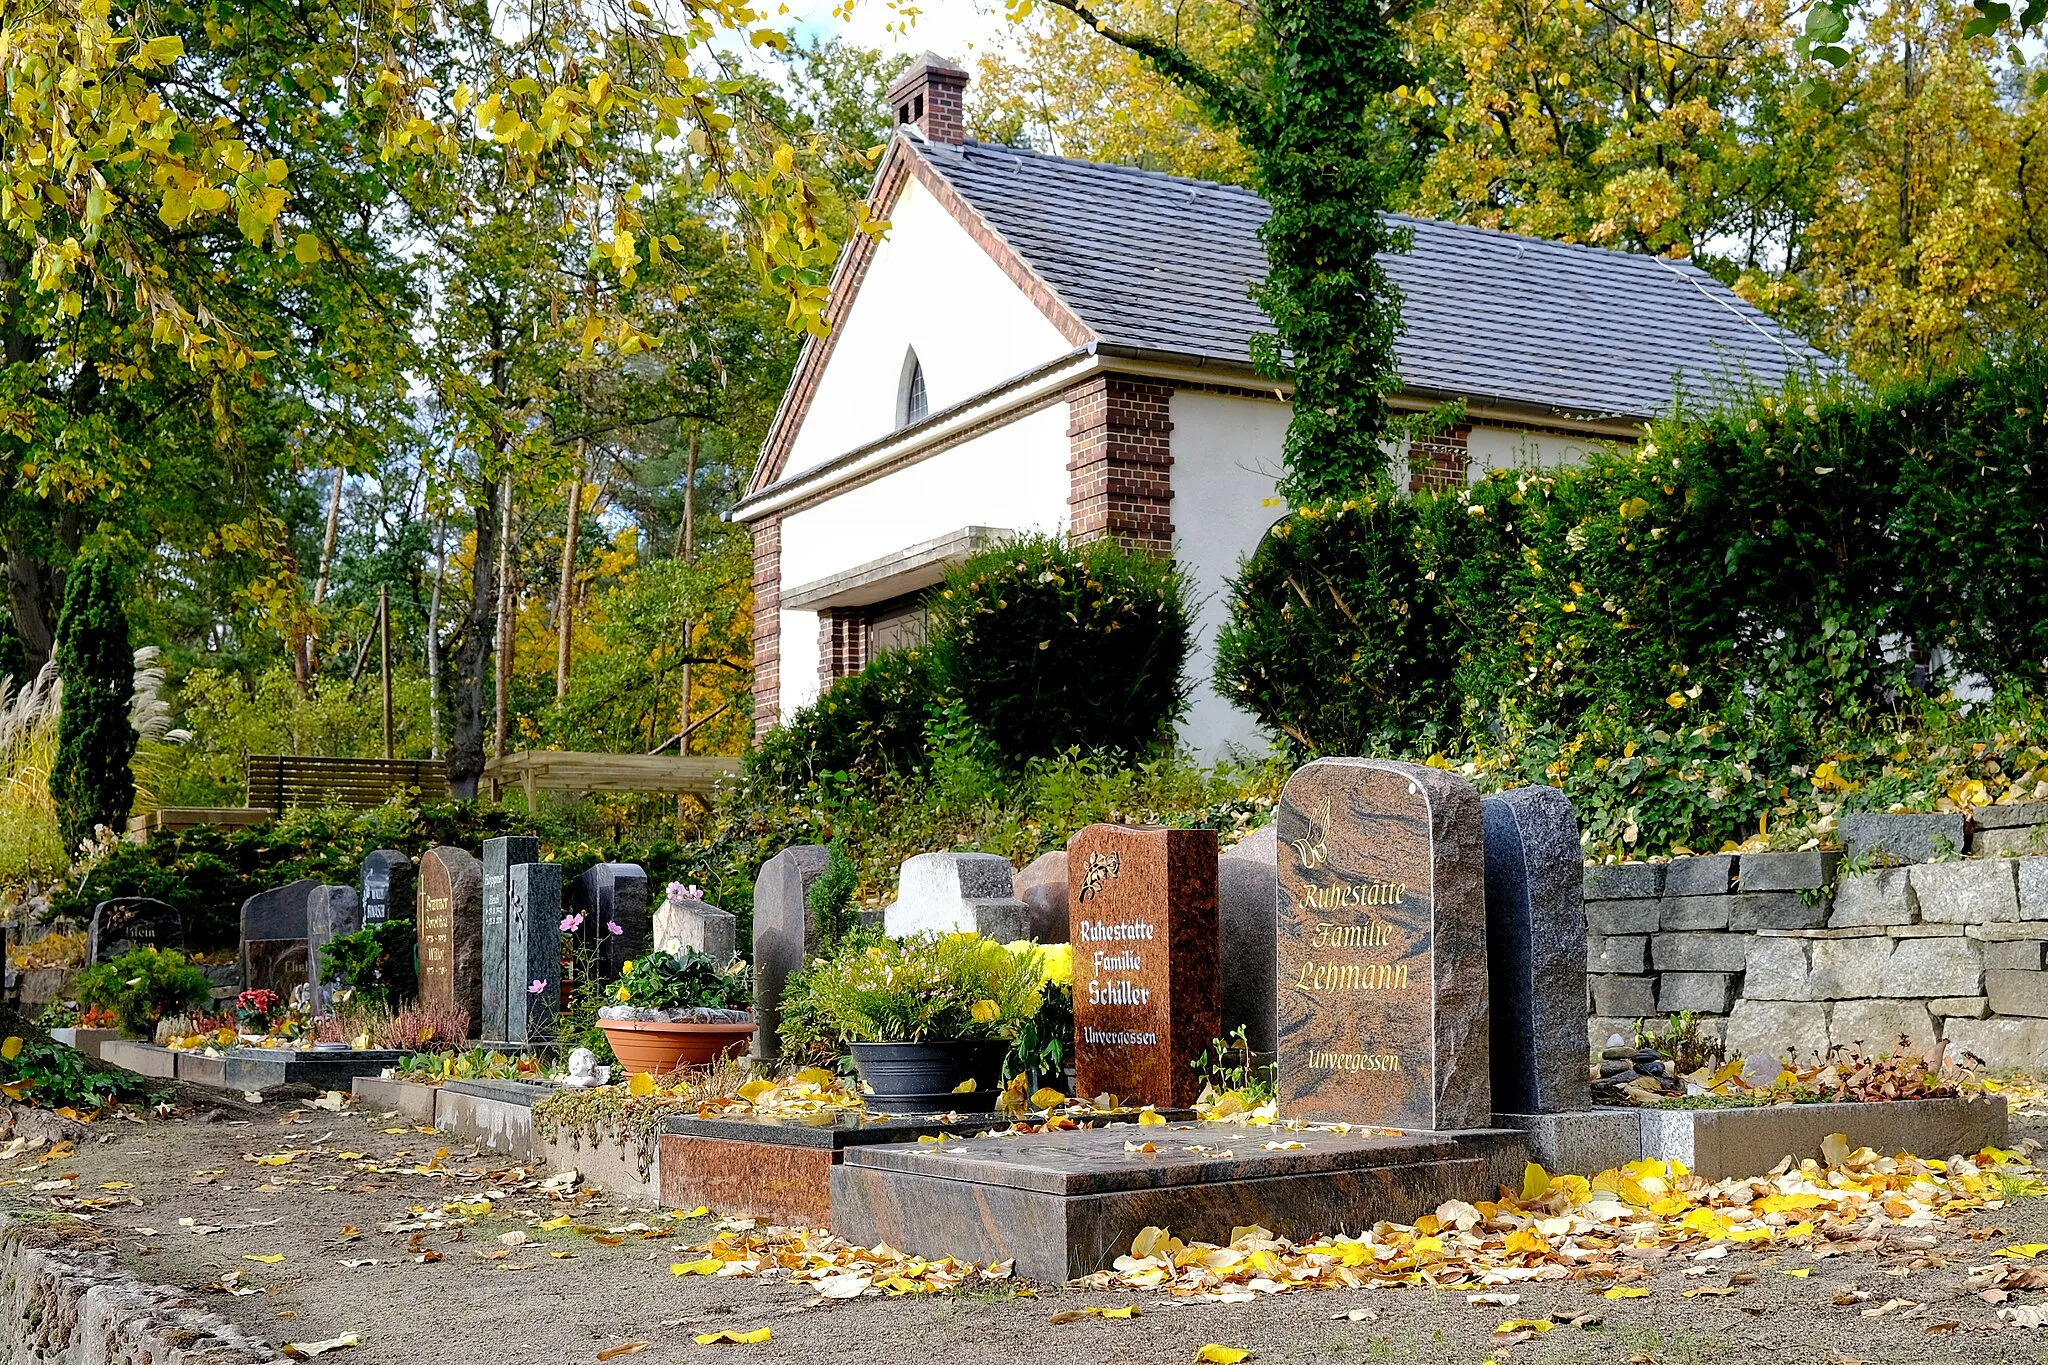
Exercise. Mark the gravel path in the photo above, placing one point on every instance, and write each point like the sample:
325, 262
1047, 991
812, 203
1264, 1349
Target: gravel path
563, 1296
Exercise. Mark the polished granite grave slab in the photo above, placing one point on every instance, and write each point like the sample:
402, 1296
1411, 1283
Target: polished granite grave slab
780, 1169
144, 1059
1063, 1205
252, 1068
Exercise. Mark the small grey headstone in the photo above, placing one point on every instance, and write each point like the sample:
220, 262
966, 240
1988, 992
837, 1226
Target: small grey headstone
681, 924
500, 856
1536, 952
945, 892
126, 923
614, 893
388, 886
1248, 908
275, 922
533, 931
782, 931
1042, 886
331, 911
1258, 847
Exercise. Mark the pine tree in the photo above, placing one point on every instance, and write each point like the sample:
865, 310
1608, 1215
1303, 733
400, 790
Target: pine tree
91, 782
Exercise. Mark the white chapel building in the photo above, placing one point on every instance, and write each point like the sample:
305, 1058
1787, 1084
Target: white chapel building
1042, 344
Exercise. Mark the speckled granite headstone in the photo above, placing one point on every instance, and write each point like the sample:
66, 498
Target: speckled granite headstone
274, 938
782, 931
330, 912
500, 855
1381, 961
388, 888
126, 923
1141, 915
451, 932
615, 893
1536, 952
533, 934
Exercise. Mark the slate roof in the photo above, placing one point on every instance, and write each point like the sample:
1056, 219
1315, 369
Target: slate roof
1162, 263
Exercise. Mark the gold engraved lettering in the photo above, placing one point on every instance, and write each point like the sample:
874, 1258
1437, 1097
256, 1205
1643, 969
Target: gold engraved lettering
1354, 1061
1353, 893
1352, 976
1371, 934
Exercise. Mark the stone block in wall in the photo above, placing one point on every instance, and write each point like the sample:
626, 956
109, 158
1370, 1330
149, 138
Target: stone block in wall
1778, 969
1959, 1007
1623, 997
2020, 931
1623, 917
2001, 1044
1699, 952
2018, 993
1753, 910
1624, 881
1874, 898
2010, 816
1763, 1032
1874, 1026
1934, 966
2021, 841
1693, 912
2033, 878
1709, 874
1699, 992
1615, 953
1889, 840
1812, 870
2020, 955
1984, 892
1849, 968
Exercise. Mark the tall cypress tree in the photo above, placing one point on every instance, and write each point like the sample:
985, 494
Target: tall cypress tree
91, 782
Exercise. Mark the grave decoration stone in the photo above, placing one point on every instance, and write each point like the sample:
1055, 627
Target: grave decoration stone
330, 912
451, 932
533, 934
782, 931
388, 886
500, 856
126, 923
1536, 952
683, 922
1141, 907
1381, 947
610, 894
1042, 886
956, 893
274, 938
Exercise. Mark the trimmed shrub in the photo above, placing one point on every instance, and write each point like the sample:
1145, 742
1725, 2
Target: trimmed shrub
868, 724
379, 962
91, 782
142, 987
1050, 647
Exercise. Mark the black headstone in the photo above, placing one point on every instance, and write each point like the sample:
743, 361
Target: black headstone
1536, 952
389, 887
125, 923
500, 856
534, 933
273, 955
331, 911
608, 894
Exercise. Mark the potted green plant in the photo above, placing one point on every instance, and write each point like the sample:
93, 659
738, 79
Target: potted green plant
927, 1019
678, 1009
141, 987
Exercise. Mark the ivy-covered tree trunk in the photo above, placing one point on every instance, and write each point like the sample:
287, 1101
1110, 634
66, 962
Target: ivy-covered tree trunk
1301, 108
91, 782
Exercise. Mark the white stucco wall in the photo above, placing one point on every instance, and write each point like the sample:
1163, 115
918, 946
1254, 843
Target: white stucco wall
1226, 461
932, 287
1494, 448
1012, 478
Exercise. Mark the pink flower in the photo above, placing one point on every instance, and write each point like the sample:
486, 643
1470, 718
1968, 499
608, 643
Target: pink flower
536, 988
614, 928
571, 923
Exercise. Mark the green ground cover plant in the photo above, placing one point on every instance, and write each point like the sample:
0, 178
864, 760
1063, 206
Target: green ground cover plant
142, 987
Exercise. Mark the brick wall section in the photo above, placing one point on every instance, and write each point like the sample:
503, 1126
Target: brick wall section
767, 624
1121, 465
1440, 462
842, 644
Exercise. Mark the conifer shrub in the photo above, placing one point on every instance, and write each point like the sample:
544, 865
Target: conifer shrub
867, 724
91, 783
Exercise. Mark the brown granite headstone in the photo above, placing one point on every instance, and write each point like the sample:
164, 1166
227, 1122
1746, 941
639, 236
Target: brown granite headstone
1141, 909
1381, 947
451, 931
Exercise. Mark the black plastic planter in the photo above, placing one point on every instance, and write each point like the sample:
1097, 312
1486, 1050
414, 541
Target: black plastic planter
920, 1078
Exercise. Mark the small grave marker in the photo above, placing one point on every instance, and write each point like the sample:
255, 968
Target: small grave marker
534, 938
500, 856
125, 923
614, 893
273, 938
1536, 952
451, 932
330, 912
388, 886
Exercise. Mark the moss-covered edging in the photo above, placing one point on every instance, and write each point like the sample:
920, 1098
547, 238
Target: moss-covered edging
81, 1308
608, 1117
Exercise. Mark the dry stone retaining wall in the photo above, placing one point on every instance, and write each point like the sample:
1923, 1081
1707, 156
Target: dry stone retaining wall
1934, 928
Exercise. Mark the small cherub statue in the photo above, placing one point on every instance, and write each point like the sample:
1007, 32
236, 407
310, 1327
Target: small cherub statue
584, 1070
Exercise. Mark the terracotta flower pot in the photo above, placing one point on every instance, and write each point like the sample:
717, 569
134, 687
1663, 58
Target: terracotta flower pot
660, 1048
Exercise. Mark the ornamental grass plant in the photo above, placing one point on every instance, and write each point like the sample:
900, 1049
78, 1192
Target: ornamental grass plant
927, 988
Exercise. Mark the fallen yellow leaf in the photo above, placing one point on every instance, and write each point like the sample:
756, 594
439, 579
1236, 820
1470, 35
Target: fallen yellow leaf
1798, 1274
1127, 1311
320, 1348
630, 1348
1212, 1354
1535, 1183
641, 1083
1045, 1097
1148, 1117
275, 1258
1622, 1291
700, 1211
707, 1266
554, 1223
1523, 1325
2025, 1252
729, 1337
10, 1049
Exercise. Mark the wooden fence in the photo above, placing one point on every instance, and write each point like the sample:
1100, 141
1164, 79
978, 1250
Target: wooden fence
281, 780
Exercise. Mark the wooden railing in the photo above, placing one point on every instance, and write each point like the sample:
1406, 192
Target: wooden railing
279, 780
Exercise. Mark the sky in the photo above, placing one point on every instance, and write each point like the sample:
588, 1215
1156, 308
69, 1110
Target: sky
957, 29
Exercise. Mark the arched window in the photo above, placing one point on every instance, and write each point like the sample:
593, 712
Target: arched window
911, 404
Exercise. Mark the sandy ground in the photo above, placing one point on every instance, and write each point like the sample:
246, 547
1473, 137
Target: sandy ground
191, 1207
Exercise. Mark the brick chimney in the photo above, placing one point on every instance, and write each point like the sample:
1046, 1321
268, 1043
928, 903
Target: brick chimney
932, 98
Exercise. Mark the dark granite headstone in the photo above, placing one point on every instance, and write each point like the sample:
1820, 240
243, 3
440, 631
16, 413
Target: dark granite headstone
1536, 952
1381, 947
274, 938
126, 923
451, 932
608, 894
388, 886
1141, 910
330, 912
782, 929
1247, 901
533, 932
500, 856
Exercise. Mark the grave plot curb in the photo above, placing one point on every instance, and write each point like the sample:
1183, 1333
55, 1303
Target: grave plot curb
81, 1308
